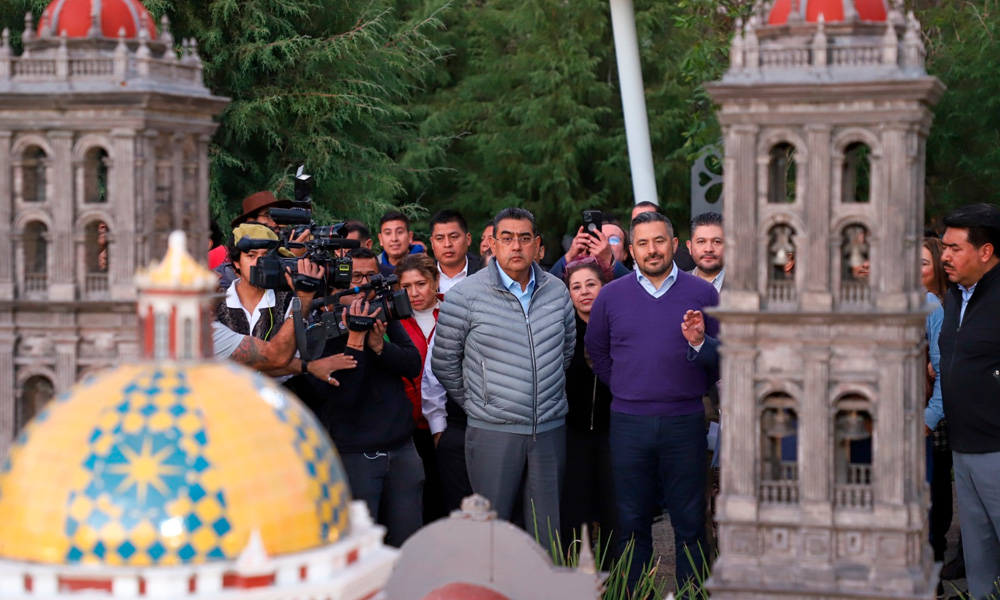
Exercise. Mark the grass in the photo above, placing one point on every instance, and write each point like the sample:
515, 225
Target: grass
616, 584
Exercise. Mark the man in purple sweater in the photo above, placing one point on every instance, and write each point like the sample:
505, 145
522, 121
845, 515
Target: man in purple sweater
658, 447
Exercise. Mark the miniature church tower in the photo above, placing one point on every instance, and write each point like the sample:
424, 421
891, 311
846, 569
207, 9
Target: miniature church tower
825, 111
104, 133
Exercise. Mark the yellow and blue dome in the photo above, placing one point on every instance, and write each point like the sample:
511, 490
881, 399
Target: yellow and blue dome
170, 464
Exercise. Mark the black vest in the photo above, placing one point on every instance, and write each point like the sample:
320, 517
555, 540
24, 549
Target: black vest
267, 325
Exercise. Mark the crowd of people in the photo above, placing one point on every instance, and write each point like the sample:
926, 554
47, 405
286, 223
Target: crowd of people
537, 388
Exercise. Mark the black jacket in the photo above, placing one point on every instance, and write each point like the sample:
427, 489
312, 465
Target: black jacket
589, 398
369, 411
970, 367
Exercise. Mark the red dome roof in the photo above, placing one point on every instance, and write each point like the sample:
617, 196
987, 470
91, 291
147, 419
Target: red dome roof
832, 10
75, 16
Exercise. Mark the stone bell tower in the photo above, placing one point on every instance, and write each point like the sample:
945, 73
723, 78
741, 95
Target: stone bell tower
104, 133
825, 111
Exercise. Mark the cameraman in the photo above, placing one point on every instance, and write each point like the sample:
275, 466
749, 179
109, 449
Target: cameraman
252, 324
369, 416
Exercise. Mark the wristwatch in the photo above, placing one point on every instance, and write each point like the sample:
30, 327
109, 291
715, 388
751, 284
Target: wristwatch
305, 367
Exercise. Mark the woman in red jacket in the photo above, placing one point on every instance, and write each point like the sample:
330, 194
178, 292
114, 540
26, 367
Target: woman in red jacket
418, 276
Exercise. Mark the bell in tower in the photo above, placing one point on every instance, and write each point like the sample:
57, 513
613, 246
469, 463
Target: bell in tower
825, 112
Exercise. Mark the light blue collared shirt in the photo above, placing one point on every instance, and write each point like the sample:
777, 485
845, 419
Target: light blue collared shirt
524, 297
966, 296
667, 283
934, 410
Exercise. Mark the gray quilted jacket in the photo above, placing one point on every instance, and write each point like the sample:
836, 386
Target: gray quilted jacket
505, 368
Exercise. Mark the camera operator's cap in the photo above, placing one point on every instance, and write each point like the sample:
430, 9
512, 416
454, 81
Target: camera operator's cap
255, 202
254, 232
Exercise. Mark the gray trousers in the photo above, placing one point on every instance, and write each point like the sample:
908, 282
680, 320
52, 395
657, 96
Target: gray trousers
500, 463
977, 485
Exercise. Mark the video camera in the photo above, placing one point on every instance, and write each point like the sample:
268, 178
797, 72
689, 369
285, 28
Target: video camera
329, 324
269, 273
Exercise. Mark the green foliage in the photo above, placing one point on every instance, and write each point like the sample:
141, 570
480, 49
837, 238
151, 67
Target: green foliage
479, 105
320, 82
963, 151
531, 91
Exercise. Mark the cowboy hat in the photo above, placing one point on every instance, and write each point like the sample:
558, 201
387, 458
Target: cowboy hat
253, 203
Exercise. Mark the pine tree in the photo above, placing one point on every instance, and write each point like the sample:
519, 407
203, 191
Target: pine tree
320, 82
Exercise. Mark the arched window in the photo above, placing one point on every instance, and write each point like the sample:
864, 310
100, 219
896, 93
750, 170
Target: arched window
781, 265
95, 258
95, 175
856, 174
855, 265
34, 177
36, 258
782, 174
853, 427
779, 477
35, 394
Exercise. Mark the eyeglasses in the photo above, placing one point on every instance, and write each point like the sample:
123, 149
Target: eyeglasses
614, 240
359, 277
523, 239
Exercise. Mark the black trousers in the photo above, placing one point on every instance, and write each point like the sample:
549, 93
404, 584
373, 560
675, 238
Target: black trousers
433, 492
941, 508
450, 453
588, 494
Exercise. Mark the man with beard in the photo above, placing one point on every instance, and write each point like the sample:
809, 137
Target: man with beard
657, 436
707, 247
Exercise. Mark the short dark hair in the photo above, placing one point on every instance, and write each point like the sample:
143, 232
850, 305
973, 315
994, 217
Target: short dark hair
981, 220
706, 218
449, 215
647, 204
362, 253
515, 213
651, 217
233, 253
394, 215
354, 225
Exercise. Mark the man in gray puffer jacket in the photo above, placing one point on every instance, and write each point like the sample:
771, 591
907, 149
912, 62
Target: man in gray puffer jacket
504, 339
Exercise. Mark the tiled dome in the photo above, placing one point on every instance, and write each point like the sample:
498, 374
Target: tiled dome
167, 464
76, 17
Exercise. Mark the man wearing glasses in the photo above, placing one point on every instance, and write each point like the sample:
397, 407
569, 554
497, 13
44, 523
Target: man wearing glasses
369, 417
504, 339
608, 245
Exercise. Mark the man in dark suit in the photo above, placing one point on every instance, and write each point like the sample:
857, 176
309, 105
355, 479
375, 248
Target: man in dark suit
450, 241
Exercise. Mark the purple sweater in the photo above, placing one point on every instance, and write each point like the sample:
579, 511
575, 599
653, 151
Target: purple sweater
637, 347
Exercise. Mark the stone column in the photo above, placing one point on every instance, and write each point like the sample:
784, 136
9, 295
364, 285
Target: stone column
202, 205
814, 443
888, 248
891, 450
65, 365
146, 195
8, 383
740, 213
121, 254
62, 284
6, 217
739, 413
816, 294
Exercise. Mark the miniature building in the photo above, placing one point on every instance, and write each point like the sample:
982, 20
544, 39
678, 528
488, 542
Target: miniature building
104, 134
474, 556
825, 111
182, 477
